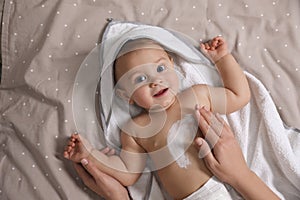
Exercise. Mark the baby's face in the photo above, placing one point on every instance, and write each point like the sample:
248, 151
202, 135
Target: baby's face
148, 78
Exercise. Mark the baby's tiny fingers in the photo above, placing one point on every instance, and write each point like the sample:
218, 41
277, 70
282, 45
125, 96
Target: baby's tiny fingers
111, 152
207, 46
105, 150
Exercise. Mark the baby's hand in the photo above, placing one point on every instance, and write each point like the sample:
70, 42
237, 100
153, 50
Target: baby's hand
108, 151
215, 48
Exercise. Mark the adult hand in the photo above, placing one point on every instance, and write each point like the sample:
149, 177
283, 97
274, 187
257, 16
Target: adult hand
101, 183
227, 158
227, 161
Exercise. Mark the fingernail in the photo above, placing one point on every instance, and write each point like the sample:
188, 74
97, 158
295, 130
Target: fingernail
199, 142
197, 114
197, 107
205, 108
84, 162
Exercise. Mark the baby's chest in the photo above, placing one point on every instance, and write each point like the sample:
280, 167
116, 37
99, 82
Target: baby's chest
177, 133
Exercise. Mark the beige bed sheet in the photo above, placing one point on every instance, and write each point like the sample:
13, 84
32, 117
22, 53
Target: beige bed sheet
44, 43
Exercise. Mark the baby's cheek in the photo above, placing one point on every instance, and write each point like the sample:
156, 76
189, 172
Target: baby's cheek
141, 98
175, 83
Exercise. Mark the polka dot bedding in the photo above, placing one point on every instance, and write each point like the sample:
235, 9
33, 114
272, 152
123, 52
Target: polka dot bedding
43, 44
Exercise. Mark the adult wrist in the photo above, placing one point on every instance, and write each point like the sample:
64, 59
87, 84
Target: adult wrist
243, 179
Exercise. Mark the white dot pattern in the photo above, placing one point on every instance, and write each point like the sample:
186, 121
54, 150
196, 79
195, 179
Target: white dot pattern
61, 44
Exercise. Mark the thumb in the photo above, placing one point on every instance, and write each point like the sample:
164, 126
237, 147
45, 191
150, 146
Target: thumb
204, 149
91, 168
206, 154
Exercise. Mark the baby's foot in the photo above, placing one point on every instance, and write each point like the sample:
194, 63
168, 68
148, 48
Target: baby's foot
77, 148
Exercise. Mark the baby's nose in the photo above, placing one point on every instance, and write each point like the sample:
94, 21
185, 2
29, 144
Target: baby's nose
152, 85
155, 83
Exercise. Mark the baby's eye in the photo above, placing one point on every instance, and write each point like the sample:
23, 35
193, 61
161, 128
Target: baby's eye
140, 79
160, 68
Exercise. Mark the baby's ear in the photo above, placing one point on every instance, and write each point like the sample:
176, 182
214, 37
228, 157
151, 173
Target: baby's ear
123, 95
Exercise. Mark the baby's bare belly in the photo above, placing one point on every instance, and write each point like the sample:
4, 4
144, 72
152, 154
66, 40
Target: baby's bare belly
175, 158
180, 181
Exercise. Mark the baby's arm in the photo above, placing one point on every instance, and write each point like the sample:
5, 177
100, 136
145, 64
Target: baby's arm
126, 169
235, 93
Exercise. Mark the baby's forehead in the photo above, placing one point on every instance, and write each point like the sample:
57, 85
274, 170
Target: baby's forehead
136, 53
140, 60
138, 44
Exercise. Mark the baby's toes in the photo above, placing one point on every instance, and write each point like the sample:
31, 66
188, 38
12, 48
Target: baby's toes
66, 155
202, 46
73, 138
69, 149
71, 143
66, 148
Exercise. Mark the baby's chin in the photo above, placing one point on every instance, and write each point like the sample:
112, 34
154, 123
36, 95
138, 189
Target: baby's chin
162, 107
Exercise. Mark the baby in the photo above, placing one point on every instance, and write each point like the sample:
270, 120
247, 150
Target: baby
165, 129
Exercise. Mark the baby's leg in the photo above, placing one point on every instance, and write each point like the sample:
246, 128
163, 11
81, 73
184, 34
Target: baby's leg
77, 148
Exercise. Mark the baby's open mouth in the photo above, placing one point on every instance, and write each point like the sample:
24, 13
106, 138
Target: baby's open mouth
161, 92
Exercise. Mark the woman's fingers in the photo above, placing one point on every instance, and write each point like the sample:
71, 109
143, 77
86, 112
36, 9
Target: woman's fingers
212, 120
91, 168
210, 126
206, 153
203, 147
226, 130
87, 179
